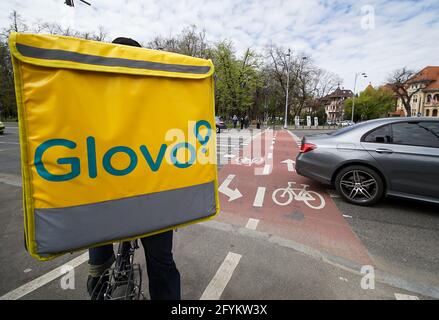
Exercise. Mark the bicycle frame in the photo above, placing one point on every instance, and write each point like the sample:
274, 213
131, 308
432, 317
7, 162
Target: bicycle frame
124, 280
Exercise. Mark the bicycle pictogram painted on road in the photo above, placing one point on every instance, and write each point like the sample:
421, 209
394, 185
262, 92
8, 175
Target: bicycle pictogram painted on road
284, 196
248, 161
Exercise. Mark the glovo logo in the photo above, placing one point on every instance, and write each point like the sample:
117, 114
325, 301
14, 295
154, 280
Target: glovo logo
202, 133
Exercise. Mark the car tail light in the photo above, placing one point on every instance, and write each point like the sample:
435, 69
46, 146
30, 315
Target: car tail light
305, 147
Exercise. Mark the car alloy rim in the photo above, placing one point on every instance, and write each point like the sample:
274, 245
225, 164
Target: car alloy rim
358, 186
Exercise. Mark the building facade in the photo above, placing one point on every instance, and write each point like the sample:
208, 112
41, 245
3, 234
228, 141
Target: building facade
334, 104
425, 102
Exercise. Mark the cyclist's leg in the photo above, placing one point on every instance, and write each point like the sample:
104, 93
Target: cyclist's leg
100, 259
164, 277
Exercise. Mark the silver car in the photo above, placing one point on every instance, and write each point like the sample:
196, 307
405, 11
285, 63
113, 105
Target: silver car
390, 156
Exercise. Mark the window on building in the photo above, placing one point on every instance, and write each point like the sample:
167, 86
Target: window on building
427, 112
434, 113
429, 98
436, 97
422, 133
380, 135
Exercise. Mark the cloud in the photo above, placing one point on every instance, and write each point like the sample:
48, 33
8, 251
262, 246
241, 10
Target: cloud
330, 31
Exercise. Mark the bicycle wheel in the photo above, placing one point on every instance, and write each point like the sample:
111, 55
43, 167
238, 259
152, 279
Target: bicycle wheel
318, 202
280, 193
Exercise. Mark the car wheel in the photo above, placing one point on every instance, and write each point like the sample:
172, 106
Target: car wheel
359, 185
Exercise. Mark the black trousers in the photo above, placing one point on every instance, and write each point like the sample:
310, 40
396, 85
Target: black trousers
164, 277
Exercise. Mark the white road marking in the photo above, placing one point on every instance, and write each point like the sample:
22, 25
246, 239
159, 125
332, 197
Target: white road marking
295, 137
347, 216
270, 155
259, 198
252, 224
290, 164
44, 279
226, 145
222, 277
229, 156
8, 142
27, 270
233, 194
10, 180
267, 169
343, 279
271, 147
400, 296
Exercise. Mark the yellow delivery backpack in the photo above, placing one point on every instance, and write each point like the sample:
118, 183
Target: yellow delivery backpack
117, 142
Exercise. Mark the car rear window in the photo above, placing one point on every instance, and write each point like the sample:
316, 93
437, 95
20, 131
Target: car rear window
379, 135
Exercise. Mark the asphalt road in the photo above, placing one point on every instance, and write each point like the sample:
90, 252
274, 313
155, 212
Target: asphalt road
265, 267
401, 235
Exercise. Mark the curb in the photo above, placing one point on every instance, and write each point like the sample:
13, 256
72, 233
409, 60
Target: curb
339, 262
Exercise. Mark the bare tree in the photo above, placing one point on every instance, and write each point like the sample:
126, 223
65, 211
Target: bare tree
16, 24
306, 81
190, 41
325, 82
400, 84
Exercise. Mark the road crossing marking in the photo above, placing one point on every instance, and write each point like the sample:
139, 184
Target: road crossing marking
226, 145
259, 198
252, 224
222, 277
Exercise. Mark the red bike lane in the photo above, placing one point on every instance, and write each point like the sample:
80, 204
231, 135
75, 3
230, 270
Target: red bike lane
304, 214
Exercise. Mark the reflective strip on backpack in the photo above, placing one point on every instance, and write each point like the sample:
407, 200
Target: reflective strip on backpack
57, 229
55, 54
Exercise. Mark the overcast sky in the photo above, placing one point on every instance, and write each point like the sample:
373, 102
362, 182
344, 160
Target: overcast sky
342, 36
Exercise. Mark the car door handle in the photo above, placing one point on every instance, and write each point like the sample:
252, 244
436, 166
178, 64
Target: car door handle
383, 150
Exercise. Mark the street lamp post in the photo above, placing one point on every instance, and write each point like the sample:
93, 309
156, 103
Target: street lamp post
288, 84
353, 97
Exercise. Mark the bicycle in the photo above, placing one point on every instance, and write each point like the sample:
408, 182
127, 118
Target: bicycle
123, 281
311, 198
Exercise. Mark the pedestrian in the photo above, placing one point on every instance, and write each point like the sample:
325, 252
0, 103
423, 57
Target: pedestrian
164, 277
235, 121
247, 121
241, 120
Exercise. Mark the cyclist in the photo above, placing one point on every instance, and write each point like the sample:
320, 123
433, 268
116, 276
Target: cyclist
164, 277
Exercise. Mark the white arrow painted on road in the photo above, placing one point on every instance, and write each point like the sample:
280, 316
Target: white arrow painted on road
290, 164
224, 188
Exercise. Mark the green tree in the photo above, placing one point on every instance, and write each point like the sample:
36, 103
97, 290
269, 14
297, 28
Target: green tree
236, 80
370, 104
